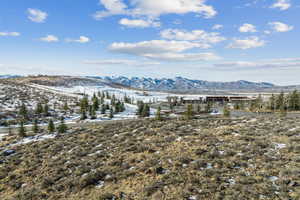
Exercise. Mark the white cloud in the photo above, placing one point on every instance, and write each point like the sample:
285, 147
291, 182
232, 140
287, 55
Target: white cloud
271, 63
280, 27
154, 9
49, 38
139, 23
12, 34
82, 39
200, 36
36, 15
174, 57
120, 62
282, 4
247, 43
163, 50
247, 28
154, 46
217, 27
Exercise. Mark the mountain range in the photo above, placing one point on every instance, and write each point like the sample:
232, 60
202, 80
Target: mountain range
184, 84
177, 84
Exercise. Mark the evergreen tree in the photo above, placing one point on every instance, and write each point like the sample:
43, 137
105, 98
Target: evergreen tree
46, 110
237, 106
107, 95
123, 107
294, 101
23, 112
102, 100
103, 109
113, 100
158, 114
35, 127
226, 111
140, 105
39, 109
208, 107
66, 106
83, 115
146, 111
189, 112
93, 114
111, 113
259, 102
198, 108
62, 128
96, 103
51, 126
84, 105
272, 103
280, 103
22, 130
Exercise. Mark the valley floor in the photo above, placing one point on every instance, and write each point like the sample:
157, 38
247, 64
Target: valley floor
244, 158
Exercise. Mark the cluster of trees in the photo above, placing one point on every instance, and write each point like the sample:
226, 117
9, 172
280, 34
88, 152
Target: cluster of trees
61, 128
143, 109
98, 103
40, 110
282, 102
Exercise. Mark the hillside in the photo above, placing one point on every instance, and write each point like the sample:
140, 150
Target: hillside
198, 159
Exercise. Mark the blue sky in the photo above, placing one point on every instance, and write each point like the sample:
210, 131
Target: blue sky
255, 40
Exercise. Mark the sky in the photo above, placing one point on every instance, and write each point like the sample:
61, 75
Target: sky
214, 40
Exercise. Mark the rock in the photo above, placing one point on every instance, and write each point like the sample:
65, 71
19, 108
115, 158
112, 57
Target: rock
8, 152
159, 195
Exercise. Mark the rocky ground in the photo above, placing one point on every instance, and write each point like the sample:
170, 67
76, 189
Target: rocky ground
245, 158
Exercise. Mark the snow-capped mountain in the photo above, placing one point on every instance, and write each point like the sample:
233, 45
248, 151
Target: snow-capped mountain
8, 76
184, 84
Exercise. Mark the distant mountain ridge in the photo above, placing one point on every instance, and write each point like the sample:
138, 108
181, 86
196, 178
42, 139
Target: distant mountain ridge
184, 84
9, 76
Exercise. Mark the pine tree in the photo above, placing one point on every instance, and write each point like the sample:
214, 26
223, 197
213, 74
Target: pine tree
23, 111
208, 107
146, 111
83, 115
140, 108
158, 114
111, 113
39, 109
226, 111
294, 101
102, 100
84, 105
62, 128
35, 127
123, 108
189, 112
46, 110
22, 130
199, 108
66, 106
93, 114
95, 103
103, 109
51, 126
280, 101
107, 95
272, 102
237, 106
259, 102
